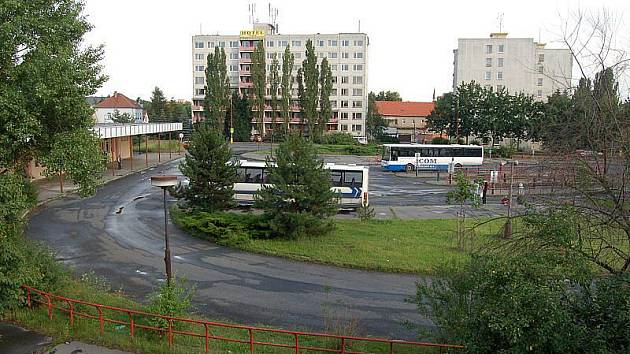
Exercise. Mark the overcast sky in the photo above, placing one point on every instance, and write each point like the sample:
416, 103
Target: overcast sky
148, 42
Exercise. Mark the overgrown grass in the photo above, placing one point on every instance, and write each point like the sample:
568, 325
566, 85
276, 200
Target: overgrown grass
165, 145
409, 246
349, 149
145, 341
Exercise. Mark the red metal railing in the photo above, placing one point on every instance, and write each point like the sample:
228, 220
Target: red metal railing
343, 344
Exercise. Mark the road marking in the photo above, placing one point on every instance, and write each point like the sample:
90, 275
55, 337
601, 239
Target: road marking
141, 272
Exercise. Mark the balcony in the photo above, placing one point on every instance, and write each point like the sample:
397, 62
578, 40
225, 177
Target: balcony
197, 108
245, 84
246, 49
245, 60
245, 73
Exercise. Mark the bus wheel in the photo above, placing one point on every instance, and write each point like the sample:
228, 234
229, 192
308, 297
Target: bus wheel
409, 168
458, 165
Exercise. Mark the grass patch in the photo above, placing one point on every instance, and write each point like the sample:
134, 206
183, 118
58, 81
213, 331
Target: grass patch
145, 341
349, 149
165, 145
408, 246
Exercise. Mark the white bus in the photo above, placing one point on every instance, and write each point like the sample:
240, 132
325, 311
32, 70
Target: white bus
349, 181
408, 157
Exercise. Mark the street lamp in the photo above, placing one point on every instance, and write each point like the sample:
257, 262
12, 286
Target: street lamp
507, 230
165, 182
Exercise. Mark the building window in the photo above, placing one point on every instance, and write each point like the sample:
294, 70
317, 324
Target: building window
233, 44
198, 45
344, 115
271, 55
200, 92
488, 48
541, 58
233, 55
488, 62
499, 75
345, 43
344, 67
283, 43
333, 79
199, 67
270, 43
358, 67
539, 94
333, 104
357, 92
488, 87
233, 67
344, 104
357, 80
345, 79
540, 81
333, 92
332, 42
321, 55
500, 62
333, 67
344, 92
357, 115
358, 43
541, 69
320, 43
222, 44
356, 127
500, 87
297, 55
198, 56
344, 127
357, 104
210, 44
345, 55
332, 55
296, 43
199, 80
358, 55
501, 48
488, 75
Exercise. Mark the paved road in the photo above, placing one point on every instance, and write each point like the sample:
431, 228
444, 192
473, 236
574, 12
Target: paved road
126, 248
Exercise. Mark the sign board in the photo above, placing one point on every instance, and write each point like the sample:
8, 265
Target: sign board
451, 167
494, 176
252, 34
181, 136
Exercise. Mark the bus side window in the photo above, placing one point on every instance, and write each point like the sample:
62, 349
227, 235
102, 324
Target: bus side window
265, 177
394, 154
353, 179
336, 178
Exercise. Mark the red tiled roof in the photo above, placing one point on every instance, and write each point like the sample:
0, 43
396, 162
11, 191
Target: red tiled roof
404, 109
118, 100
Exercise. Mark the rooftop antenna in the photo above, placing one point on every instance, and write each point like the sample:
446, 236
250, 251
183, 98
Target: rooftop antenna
200, 28
359, 26
500, 19
539, 41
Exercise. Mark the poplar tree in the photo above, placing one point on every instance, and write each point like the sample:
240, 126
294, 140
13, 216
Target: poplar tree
216, 100
259, 78
325, 108
274, 83
310, 88
286, 88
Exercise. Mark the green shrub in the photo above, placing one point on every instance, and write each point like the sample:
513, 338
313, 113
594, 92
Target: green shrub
505, 152
440, 141
172, 299
339, 139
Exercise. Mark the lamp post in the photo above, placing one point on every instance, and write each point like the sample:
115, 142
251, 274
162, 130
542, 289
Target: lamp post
507, 230
165, 182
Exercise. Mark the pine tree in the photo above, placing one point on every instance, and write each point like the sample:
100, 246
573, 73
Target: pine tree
242, 117
286, 88
298, 200
325, 110
274, 83
157, 108
206, 165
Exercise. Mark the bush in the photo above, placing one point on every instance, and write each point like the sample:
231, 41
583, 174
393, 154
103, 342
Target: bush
170, 300
339, 139
505, 152
440, 141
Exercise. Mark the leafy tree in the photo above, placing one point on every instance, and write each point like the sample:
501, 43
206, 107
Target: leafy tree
325, 112
298, 201
375, 124
82, 164
465, 191
442, 118
207, 166
286, 87
274, 84
301, 97
157, 106
216, 99
388, 96
122, 118
259, 79
309, 97
242, 117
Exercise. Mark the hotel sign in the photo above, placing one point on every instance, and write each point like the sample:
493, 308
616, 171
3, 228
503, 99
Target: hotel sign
252, 34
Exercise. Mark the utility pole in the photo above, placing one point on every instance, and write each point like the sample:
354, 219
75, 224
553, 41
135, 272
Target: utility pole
231, 122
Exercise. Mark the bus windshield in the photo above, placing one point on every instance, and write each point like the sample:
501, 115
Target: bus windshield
386, 153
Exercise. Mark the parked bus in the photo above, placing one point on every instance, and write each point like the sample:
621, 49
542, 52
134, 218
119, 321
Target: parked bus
408, 157
349, 181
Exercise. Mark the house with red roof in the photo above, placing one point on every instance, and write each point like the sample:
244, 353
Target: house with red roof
408, 119
106, 108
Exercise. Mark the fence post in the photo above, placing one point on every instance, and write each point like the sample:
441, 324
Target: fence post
170, 332
130, 323
391, 347
297, 344
100, 319
343, 345
71, 307
206, 325
251, 341
49, 306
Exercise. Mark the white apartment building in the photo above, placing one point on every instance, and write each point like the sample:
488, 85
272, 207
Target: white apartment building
517, 64
347, 54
